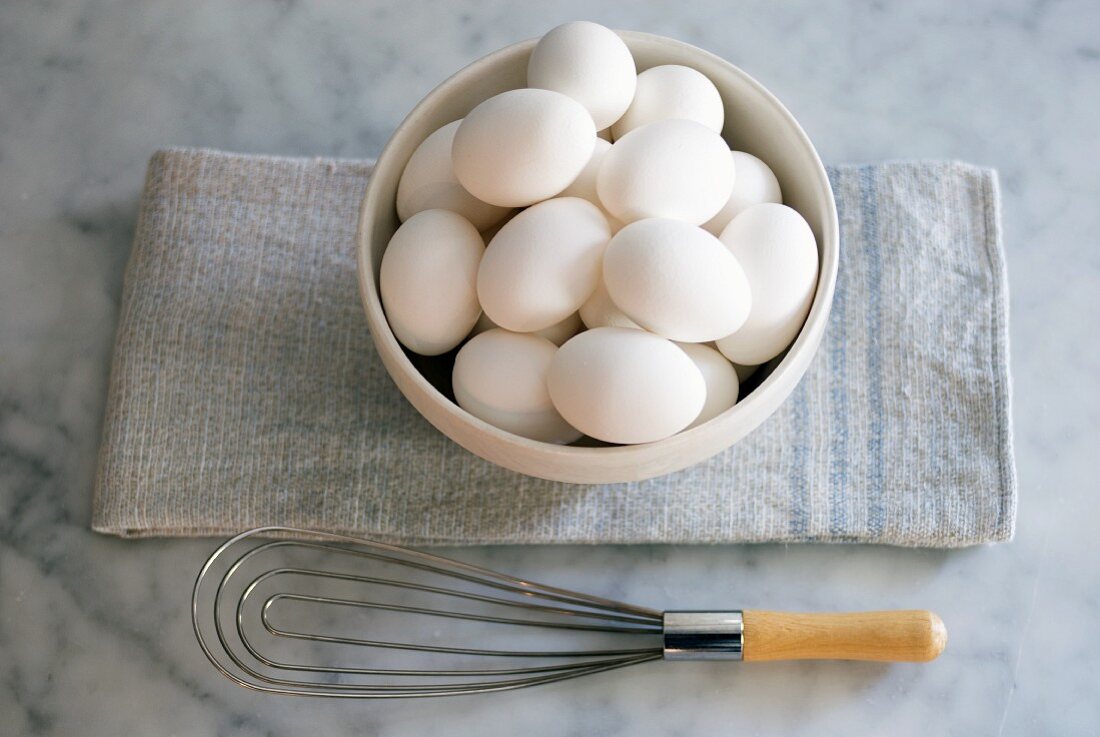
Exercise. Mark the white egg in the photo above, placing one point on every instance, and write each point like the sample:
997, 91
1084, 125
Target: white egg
753, 183
672, 91
557, 333
625, 386
522, 146
428, 281
720, 377
676, 280
429, 182
669, 169
589, 63
562, 331
543, 264
584, 186
500, 377
777, 250
599, 311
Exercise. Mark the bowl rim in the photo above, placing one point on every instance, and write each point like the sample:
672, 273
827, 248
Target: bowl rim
788, 371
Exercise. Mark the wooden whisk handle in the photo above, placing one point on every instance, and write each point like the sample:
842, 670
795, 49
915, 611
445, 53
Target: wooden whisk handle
913, 635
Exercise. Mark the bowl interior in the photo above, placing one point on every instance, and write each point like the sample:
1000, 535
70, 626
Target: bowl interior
755, 122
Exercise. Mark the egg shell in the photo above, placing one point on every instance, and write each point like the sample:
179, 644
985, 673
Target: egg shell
429, 182
500, 377
557, 333
672, 91
676, 280
584, 186
598, 311
543, 264
720, 377
669, 169
428, 281
625, 386
562, 331
754, 183
522, 146
590, 64
777, 250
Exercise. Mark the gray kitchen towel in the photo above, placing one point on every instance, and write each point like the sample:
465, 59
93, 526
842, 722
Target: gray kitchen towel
245, 390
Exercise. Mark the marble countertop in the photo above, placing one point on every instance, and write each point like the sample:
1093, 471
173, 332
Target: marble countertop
95, 635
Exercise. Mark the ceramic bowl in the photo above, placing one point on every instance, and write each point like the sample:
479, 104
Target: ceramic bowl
756, 122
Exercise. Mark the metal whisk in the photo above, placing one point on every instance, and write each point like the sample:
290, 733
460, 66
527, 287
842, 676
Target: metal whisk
296, 616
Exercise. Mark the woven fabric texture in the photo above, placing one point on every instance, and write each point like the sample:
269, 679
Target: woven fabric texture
245, 390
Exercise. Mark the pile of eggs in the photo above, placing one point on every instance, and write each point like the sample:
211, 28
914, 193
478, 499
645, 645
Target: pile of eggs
607, 264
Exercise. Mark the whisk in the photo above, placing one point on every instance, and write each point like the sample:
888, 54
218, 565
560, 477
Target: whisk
301, 614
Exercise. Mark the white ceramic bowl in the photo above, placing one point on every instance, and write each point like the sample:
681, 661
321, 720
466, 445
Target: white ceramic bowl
756, 122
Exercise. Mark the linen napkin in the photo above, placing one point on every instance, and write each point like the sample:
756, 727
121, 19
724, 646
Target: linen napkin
245, 390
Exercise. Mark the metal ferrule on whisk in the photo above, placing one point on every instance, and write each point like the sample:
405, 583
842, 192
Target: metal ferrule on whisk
703, 635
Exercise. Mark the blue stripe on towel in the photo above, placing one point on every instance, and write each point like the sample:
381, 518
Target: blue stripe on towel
800, 501
873, 249
838, 379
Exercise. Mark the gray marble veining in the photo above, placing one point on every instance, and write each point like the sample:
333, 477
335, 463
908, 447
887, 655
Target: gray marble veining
94, 632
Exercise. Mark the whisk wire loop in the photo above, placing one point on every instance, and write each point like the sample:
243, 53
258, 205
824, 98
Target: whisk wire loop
240, 657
